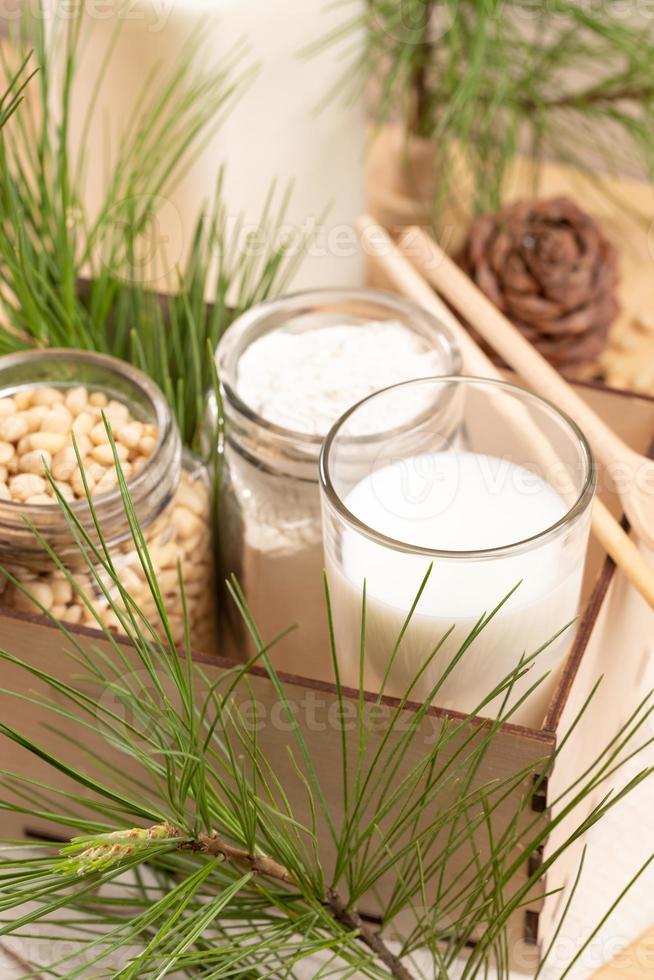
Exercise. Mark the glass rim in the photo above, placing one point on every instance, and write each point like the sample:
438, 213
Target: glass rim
578, 507
250, 318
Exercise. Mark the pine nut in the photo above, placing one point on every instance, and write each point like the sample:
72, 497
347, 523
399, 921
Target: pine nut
76, 399
99, 434
23, 399
64, 464
62, 590
6, 452
84, 445
147, 444
73, 614
42, 593
44, 395
56, 422
83, 424
13, 428
185, 521
36, 461
26, 485
107, 483
34, 417
104, 453
130, 435
52, 441
116, 413
39, 498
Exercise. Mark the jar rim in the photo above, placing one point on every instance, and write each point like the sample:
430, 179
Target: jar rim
575, 510
238, 338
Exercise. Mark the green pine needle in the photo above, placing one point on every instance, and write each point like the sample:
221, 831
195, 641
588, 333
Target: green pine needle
566, 80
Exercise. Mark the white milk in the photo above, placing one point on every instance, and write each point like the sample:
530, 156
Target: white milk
277, 130
458, 501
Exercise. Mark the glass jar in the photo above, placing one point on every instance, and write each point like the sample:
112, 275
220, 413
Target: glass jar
269, 524
481, 501
170, 492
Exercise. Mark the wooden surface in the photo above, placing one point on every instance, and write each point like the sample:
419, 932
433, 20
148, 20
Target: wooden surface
635, 963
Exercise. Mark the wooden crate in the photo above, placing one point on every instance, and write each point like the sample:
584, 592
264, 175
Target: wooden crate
615, 620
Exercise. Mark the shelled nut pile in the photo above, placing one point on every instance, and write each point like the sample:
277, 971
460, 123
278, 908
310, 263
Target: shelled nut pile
36, 432
36, 429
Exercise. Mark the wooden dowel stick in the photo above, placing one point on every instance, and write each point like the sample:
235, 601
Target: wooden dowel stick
406, 279
444, 275
475, 362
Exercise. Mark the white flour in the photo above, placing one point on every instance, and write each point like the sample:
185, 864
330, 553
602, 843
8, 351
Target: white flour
306, 381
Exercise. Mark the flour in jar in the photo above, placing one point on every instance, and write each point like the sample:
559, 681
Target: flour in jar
305, 380
302, 377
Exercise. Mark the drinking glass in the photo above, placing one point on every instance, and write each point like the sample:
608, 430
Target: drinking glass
455, 498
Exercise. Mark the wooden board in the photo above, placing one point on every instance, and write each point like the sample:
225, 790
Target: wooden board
634, 963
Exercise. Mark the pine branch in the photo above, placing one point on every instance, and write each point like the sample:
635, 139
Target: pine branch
258, 864
574, 100
422, 59
592, 97
352, 920
499, 79
121, 845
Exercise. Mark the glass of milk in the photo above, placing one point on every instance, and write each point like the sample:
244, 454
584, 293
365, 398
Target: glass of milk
482, 487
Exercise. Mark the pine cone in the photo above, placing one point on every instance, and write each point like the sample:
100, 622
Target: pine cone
550, 269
